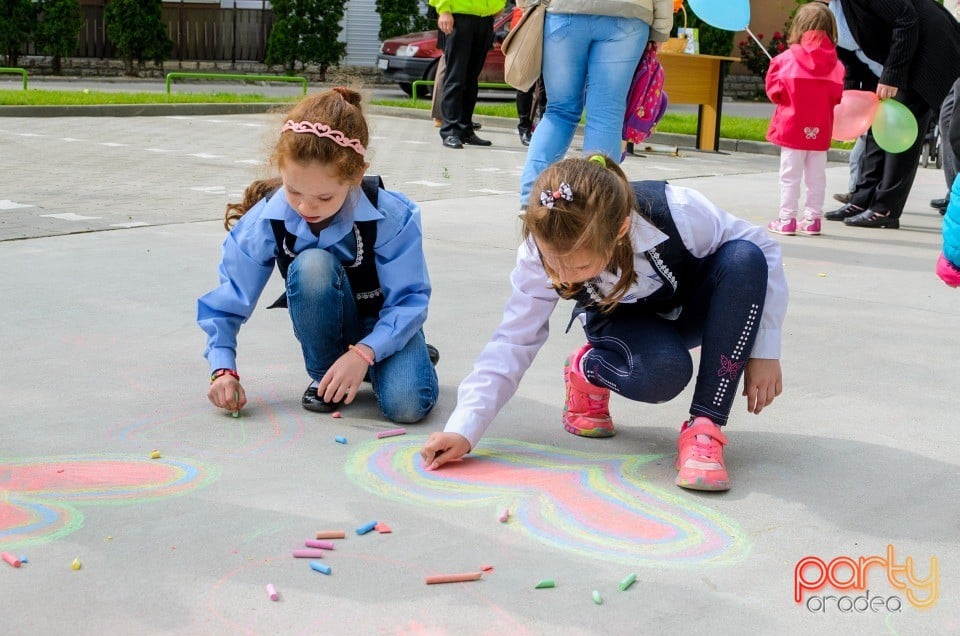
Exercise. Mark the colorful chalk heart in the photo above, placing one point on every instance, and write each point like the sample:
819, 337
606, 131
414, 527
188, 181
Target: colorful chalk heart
589, 503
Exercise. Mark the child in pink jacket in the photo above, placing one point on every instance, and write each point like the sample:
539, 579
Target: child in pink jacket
805, 82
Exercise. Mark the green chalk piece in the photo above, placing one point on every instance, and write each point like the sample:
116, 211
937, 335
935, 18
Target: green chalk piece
236, 398
596, 598
544, 584
627, 582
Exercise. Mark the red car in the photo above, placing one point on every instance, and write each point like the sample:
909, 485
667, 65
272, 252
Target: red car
408, 58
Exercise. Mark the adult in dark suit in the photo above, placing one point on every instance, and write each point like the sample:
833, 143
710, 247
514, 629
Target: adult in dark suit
918, 42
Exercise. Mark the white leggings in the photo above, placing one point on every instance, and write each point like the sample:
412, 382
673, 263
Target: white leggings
811, 166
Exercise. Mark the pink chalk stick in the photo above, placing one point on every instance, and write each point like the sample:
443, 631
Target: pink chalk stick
307, 554
382, 528
336, 415
326, 545
272, 592
504, 515
9, 558
391, 432
486, 568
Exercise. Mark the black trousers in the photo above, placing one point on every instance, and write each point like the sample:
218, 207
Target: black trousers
465, 50
530, 106
886, 178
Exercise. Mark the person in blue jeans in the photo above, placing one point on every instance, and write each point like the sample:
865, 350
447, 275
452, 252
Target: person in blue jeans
590, 52
351, 254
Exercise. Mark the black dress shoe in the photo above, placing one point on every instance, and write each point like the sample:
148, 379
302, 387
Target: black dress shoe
313, 402
843, 213
452, 142
525, 137
843, 198
940, 204
473, 140
872, 218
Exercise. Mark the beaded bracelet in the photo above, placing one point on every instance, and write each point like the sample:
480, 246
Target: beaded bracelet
221, 372
363, 354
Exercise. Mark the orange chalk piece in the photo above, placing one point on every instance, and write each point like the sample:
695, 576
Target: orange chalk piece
9, 558
391, 433
453, 578
331, 534
382, 528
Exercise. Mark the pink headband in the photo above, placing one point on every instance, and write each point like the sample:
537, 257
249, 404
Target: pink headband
324, 131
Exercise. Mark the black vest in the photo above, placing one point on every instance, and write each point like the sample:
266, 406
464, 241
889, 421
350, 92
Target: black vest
361, 269
670, 259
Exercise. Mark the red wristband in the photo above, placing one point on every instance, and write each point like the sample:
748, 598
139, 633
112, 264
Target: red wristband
221, 372
363, 354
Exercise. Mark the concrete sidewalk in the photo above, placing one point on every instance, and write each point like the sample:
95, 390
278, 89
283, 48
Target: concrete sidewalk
110, 229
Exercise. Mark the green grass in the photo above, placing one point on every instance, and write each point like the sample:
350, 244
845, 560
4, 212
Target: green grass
33, 97
745, 128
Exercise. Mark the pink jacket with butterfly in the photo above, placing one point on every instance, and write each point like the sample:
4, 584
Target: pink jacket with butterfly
805, 82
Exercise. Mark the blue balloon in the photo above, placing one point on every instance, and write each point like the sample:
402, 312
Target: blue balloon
730, 15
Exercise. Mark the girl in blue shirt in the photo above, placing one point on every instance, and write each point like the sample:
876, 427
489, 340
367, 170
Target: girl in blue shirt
351, 254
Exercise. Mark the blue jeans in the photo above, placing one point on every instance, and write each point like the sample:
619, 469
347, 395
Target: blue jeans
646, 358
587, 60
325, 321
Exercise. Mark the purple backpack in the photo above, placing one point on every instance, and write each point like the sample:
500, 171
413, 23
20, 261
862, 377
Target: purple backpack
646, 101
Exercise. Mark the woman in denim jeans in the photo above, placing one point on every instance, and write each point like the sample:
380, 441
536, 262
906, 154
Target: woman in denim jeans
590, 51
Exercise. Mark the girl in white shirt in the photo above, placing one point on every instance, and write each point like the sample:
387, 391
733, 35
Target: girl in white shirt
656, 270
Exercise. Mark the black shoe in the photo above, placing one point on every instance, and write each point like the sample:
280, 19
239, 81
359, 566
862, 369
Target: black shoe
872, 218
452, 142
473, 140
843, 198
475, 126
313, 402
843, 213
940, 204
434, 354
525, 137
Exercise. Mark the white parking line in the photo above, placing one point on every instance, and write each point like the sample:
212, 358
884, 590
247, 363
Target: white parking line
203, 155
70, 216
7, 204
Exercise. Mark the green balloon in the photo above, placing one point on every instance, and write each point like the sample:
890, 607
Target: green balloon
894, 126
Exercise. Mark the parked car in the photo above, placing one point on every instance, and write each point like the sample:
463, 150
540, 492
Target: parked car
408, 58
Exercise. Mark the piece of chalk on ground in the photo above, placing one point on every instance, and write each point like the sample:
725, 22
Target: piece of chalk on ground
544, 584
23, 559
336, 415
391, 432
324, 545
627, 582
316, 566
453, 578
364, 529
76, 564
9, 558
596, 598
504, 515
383, 528
331, 534
486, 568
155, 455
272, 592
340, 439
307, 554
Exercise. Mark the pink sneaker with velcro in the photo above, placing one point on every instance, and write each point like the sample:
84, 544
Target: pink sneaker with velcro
700, 456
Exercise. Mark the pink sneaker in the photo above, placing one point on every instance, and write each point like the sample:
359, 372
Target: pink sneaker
809, 227
788, 228
700, 456
585, 411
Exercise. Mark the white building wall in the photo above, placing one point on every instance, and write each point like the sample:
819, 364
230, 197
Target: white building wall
361, 26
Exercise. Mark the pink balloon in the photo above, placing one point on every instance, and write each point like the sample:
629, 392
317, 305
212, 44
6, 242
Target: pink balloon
854, 114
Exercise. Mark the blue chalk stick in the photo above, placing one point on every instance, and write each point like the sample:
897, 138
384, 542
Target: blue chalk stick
364, 529
323, 568
23, 559
340, 439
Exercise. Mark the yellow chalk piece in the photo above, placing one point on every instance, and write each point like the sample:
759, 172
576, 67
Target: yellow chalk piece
108, 538
822, 275
76, 564
155, 454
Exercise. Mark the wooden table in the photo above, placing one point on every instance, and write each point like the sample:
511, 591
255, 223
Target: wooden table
696, 79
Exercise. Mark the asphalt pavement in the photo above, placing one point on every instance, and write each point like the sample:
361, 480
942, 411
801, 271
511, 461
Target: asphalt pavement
110, 228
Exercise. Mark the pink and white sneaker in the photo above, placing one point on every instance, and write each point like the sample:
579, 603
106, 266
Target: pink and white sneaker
809, 227
585, 412
700, 456
787, 228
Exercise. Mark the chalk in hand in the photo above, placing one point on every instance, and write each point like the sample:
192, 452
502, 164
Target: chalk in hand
324, 545
331, 534
236, 398
76, 564
544, 583
364, 529
383, 528
597, 598
340, 439
9, 558
307, 554
272, 592
392, 432
155, 454
504, 515
323, 568
453, 578
627, 582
